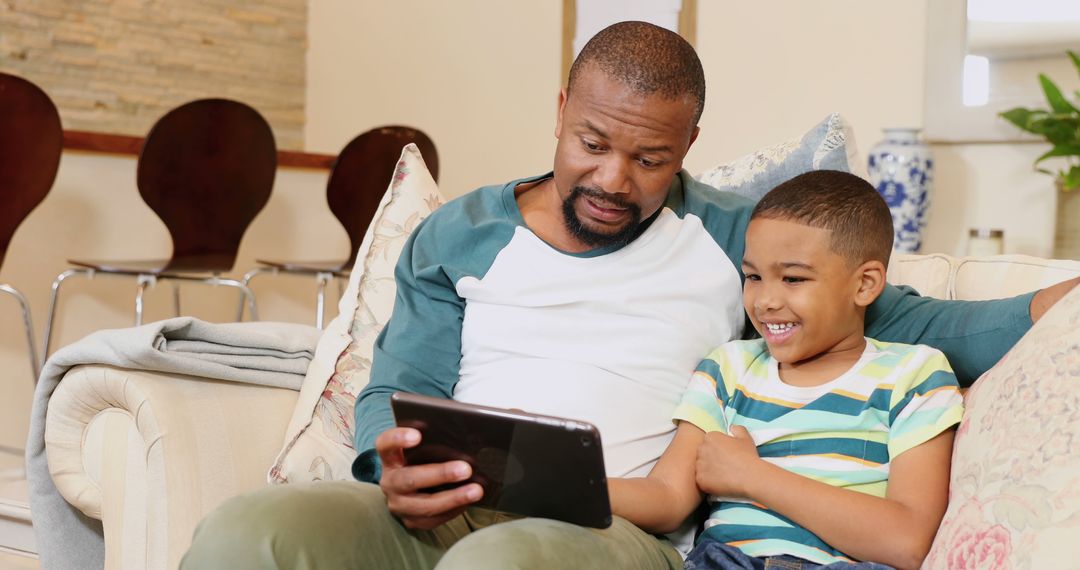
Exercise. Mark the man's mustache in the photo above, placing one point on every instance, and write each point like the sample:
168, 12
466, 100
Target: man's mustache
598, 194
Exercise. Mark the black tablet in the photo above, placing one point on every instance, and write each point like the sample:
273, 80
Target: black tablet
528, 464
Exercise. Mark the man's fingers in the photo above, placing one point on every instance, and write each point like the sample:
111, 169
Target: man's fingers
415, 478
428, 523
390, 443
441, 506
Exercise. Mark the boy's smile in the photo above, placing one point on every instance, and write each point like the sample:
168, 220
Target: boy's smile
801, 296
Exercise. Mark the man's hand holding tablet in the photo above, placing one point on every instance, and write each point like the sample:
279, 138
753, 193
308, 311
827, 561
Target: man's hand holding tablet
500, 459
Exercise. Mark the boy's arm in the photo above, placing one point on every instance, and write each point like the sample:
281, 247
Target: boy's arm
896, 530
661, 502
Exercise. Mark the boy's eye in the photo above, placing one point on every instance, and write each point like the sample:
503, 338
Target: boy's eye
753, 277
794, 279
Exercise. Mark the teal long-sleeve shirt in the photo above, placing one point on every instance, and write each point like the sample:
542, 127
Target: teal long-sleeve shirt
488, 313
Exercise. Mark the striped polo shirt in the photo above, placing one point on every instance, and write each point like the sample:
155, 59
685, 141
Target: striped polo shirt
842, 433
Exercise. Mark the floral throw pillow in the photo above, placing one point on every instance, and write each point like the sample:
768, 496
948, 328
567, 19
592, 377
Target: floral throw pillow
1014, 496
318, 440
830, 145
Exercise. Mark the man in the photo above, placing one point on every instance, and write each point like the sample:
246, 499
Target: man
590, 292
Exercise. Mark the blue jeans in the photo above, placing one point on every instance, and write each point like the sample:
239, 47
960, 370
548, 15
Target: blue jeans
712, 555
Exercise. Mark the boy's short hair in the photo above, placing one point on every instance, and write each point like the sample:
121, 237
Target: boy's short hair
848, 206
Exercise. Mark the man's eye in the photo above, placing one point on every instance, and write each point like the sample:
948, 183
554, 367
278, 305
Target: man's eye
591, 145
647, 163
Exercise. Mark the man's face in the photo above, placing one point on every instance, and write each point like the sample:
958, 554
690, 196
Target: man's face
800, 295
617, 154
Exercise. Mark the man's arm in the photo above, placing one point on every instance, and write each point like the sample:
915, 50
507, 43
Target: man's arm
418, 351
661, 502
974, 335
896, 530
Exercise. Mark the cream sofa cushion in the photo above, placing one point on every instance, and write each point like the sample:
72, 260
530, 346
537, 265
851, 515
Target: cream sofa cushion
318, 442
1014, 499
930, 275
999, 276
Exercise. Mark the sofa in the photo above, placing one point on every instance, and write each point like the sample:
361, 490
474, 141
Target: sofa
154, 453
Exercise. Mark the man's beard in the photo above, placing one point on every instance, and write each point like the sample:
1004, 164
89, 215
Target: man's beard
590, 237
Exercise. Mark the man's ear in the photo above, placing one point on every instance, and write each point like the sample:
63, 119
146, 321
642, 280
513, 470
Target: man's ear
558, 117
871, 281
693, 136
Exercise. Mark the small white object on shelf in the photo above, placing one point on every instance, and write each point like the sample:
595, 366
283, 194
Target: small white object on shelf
982, 241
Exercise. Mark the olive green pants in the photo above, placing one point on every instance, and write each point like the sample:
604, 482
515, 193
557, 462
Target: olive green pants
345, 524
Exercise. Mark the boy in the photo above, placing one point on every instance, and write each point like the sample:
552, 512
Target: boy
815, 445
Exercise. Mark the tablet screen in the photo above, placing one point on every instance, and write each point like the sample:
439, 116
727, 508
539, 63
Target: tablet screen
528, 464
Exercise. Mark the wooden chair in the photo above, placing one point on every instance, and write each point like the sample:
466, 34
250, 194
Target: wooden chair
206, 169
358, 180
31, 140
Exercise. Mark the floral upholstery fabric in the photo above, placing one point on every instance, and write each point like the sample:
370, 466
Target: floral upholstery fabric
830, 145
318, 442
1015, 490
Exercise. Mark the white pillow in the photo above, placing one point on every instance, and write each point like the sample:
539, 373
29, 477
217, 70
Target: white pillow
318, 440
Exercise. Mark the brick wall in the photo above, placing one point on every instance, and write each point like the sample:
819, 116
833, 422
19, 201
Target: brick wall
118, 65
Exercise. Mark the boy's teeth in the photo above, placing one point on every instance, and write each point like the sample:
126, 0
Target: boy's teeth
779, 327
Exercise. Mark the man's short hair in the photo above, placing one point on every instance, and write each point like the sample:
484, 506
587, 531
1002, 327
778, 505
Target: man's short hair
648, 59
855, 214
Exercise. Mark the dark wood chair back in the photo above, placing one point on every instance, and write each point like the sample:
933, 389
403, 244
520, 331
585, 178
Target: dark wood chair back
207, 169
362, 172
31, 140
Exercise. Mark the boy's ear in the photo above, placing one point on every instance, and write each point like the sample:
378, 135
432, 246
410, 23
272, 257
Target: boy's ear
871, 277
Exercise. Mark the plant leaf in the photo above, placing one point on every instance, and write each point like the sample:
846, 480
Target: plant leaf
1056, 129
1071, 180
1057, 101
1075, 59
1018, 116
1060, 150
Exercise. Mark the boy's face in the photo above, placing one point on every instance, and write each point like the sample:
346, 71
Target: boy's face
802, 297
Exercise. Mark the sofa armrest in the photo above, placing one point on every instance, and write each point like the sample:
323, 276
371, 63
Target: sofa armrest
149, 454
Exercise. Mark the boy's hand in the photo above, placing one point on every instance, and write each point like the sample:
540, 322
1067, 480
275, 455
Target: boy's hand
725, 463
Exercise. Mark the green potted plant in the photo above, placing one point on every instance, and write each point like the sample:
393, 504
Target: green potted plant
1059, 125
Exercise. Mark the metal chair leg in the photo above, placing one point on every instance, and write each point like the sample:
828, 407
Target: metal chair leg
244, 290
176, 298
143, 281
52, 308
35, 365
244, 282
321, 279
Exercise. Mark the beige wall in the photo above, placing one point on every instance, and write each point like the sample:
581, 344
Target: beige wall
774, 69
481, 77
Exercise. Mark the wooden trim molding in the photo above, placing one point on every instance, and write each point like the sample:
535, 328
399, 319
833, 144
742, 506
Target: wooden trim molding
129, 145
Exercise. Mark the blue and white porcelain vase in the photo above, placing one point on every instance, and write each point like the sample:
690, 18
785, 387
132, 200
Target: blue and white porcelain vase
901, 169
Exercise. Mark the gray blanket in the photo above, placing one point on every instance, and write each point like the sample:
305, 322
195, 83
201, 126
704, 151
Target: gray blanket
270, 354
